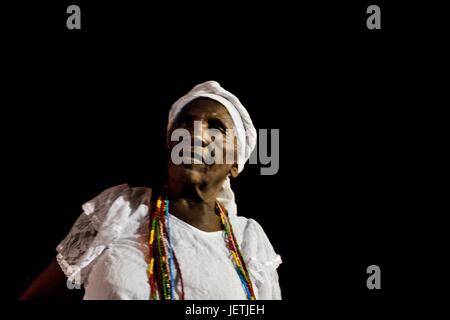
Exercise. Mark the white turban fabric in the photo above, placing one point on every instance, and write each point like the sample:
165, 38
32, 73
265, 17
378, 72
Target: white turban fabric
243, 126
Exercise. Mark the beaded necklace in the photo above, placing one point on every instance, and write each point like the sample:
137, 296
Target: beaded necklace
163, 260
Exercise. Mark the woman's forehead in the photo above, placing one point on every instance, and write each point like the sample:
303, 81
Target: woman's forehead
204, 107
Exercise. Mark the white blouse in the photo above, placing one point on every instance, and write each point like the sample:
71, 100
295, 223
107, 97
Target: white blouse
107, 251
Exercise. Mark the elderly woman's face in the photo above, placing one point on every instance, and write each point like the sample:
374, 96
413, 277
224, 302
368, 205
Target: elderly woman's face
216, 134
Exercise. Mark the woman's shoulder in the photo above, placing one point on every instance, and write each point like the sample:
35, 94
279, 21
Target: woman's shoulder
108, 196
255, 244
104, 218
121, 199
245, 224
249, 231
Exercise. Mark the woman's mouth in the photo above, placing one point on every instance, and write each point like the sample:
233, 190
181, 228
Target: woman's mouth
198, 158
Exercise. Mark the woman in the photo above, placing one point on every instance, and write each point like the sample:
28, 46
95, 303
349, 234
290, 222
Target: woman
185, 241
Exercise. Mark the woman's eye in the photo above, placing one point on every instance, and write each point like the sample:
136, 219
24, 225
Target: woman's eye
218, 125
221, 129
183, 124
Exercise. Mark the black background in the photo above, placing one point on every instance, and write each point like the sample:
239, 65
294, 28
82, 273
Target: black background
87, 109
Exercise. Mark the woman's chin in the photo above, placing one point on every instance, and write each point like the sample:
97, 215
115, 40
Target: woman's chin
191, 173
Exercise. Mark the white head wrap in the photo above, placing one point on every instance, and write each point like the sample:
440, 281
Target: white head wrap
243, 126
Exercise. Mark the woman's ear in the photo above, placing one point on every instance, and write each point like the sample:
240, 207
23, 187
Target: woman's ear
234, 171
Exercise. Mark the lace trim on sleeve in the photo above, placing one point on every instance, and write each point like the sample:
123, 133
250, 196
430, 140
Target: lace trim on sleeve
82, 244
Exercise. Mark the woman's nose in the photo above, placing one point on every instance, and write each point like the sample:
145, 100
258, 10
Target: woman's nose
201, 136
200, 140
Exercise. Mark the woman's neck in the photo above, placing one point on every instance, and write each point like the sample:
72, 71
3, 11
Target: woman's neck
194, 205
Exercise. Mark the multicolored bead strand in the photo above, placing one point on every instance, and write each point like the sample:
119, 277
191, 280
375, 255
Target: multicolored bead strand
241, 269
163, 260
172, 279
161, 257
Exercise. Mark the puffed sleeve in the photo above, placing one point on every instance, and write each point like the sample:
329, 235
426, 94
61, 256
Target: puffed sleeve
262, 261
91, 233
